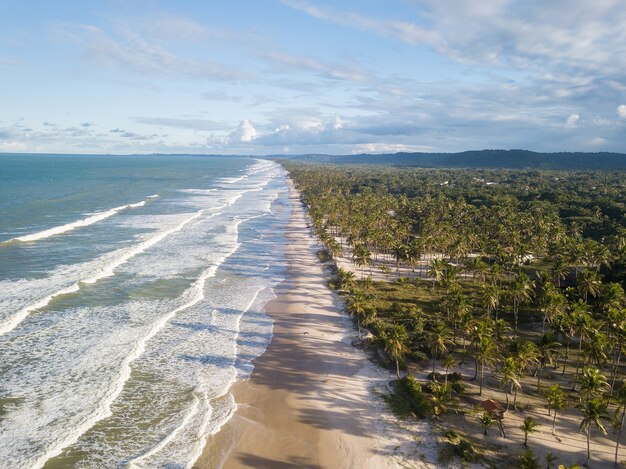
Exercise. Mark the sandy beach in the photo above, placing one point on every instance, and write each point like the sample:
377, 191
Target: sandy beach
309, 402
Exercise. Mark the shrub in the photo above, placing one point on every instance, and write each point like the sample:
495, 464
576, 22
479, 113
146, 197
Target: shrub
418, 400
457, 447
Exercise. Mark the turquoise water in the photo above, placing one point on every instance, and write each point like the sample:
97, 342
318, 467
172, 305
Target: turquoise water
131, 294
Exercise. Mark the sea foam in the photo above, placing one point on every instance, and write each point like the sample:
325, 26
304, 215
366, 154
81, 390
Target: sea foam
90, 220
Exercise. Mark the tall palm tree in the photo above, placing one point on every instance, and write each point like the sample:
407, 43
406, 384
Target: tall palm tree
400, 254
396, 346
436, 269
490, 297
521, 292
592, 383
557, 399
583, 326
438, 338
356, 305
485, 354
510, 378
548, 350
594, 412
589, 283
620, 400
361, 256
559, 270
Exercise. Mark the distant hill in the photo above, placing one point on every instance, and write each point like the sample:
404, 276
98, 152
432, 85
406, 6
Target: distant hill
514, 159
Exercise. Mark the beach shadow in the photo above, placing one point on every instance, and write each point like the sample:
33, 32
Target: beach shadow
259, 462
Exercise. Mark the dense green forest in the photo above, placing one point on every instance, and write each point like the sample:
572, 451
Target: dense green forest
519, 274
481, 159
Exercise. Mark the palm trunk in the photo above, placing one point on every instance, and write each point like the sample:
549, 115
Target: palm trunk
482, 373
398, 368
475, 369
554, 423
616, 368
588, 449
580, 351
619, 434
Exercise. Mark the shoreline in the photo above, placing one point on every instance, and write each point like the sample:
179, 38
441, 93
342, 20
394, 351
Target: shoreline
309, 400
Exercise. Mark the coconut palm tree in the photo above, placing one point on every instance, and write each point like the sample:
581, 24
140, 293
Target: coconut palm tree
521, 292
356, 305
485, 354
436, 269
438, 339
510, 378
486, 420
361, 256
589, 283
551, 461
557, 399
448, 363
400, 254
594, 412
528, 426
490, 297
592, 383
347, 279
441, 397
548, 350
559, 270
620, 413
528, 460
395, 345
583, 326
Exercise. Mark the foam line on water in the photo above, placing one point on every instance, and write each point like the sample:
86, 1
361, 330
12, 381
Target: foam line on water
104, 410
205, 428
90, 220
205, 431
165, 441
15, 320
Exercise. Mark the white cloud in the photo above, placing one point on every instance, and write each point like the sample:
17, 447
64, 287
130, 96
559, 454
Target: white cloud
244, 133
127, 49
572, 120
7, 63
183, 123
571, 38
621, 111
401, 30
335, 71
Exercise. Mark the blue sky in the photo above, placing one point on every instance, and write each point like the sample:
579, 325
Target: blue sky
299, 76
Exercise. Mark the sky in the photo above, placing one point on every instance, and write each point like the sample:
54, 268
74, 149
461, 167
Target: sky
301, 76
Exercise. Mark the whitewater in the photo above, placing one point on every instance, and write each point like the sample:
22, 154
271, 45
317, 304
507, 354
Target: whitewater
121, 336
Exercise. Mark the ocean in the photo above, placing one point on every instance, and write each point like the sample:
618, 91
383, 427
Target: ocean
131, 299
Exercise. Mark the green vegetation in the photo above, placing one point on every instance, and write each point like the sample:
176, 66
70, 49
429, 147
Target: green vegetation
482, 159
514, 278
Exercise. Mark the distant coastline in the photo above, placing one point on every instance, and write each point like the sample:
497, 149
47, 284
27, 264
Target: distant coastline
494, 159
